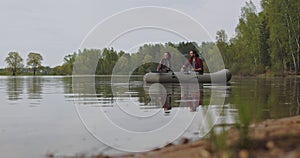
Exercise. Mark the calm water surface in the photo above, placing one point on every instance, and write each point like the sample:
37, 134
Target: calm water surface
40, 115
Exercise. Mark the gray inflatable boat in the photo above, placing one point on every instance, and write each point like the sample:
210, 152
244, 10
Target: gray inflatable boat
222, 76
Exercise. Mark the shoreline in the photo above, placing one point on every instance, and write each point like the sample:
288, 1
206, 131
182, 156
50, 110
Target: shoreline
270, 138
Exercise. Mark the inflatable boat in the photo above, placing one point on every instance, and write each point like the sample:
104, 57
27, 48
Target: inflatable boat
222, 76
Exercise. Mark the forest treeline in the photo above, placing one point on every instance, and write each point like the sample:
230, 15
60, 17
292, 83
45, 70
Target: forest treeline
266, 42
109, 60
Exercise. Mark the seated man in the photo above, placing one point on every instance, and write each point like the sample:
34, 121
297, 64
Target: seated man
165, 64
195, 62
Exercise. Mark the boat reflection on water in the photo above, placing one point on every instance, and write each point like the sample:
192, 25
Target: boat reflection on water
198, 99
168, 104
171, 95
191, 97
138, 106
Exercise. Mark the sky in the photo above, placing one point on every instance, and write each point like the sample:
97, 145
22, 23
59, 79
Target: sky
55, 28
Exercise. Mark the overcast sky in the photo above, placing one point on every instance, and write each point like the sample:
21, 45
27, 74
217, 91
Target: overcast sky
56, 28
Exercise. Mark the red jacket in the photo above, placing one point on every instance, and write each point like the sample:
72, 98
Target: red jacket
198, 64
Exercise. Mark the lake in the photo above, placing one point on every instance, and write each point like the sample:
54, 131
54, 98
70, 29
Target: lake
74, 115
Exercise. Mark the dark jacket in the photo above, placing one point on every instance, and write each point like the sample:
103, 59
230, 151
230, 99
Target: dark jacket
164, 65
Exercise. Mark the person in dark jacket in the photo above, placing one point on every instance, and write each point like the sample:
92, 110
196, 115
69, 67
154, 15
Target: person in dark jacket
165, 63
195, 63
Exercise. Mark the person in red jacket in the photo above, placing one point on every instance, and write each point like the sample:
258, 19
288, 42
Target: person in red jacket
195, 63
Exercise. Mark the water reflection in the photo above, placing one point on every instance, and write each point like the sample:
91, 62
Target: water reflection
192, 98
266, 98
91, 90
143, 100
168, 96
171, 95
161, 97
15, 88
137, 111
30, 89
261, 98
67, 84
34, 88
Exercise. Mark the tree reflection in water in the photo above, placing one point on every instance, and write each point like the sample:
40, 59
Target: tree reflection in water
15, 87
34, 87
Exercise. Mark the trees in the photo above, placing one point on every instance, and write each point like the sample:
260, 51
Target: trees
284, 25
265, 42
86, 62
15, 62
248, 34
34, 61
222, 44
69, 63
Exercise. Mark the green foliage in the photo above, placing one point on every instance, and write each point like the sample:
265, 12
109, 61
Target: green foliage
67, 67
265, 41
248, 40
15, 62
219, 143
108, 60
283, 21
211, 54
86, 62
34, 61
